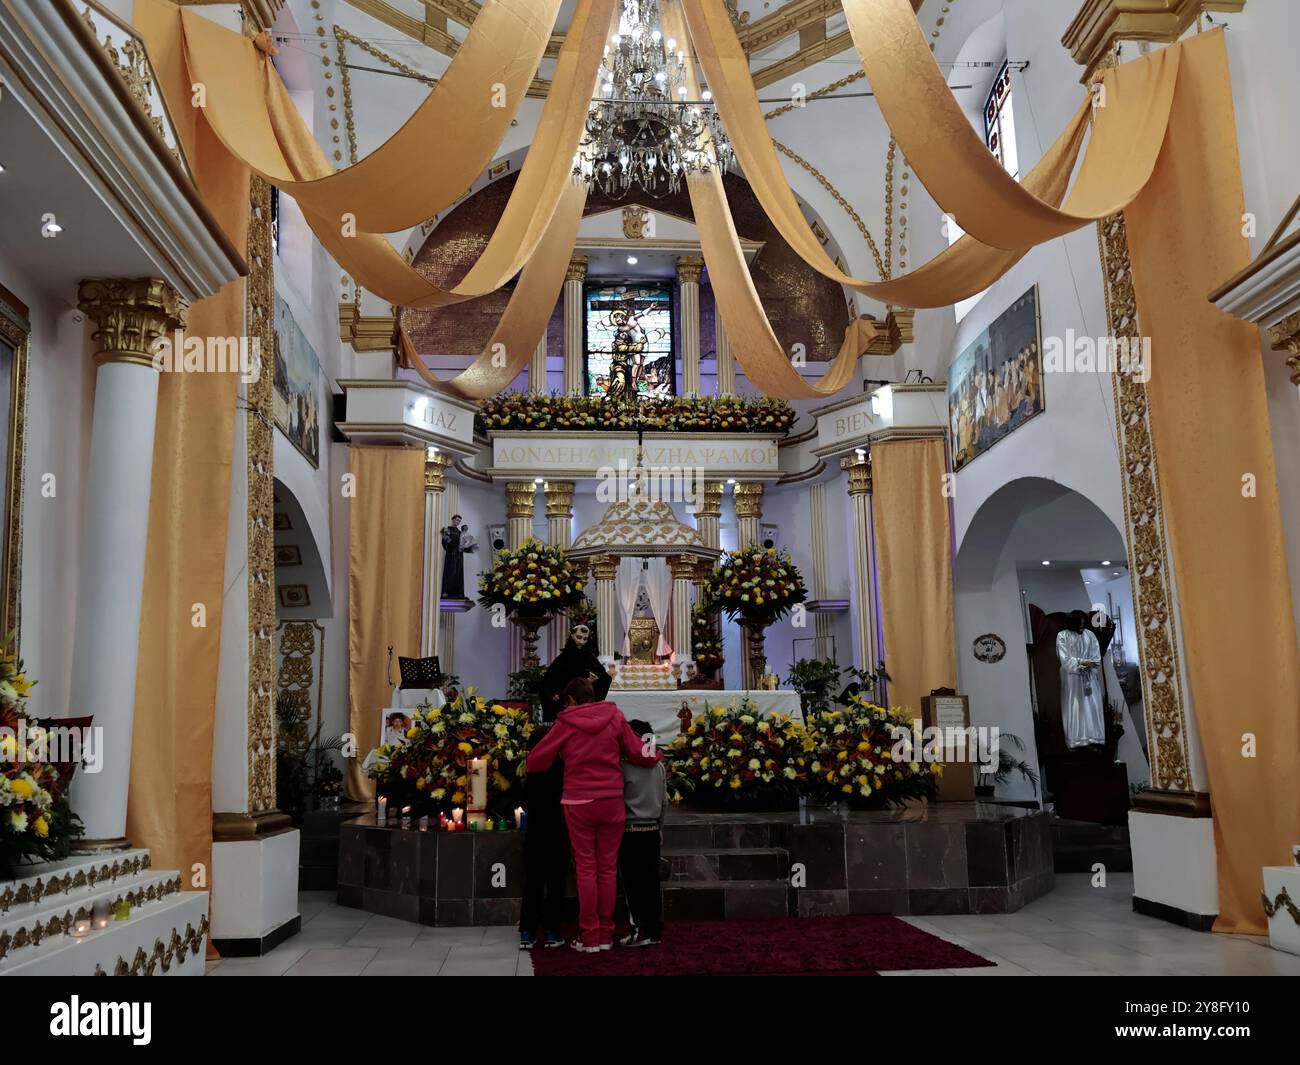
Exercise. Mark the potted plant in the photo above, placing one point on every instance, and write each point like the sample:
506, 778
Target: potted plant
815, 680
1008, 763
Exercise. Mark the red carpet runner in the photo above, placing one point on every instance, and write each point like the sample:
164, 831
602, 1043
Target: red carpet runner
789, 946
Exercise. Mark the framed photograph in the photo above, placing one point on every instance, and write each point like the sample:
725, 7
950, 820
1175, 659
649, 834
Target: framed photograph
628, 348
299, 385
996, 384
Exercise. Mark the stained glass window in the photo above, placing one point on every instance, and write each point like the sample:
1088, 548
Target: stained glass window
999, 122
630, 341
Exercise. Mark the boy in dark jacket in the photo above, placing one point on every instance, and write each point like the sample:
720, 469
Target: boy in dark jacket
645, 793
546, 854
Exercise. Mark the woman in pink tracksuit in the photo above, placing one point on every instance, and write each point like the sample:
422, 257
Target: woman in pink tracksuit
592, 739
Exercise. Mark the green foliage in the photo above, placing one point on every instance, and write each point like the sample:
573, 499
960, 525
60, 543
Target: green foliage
816, 681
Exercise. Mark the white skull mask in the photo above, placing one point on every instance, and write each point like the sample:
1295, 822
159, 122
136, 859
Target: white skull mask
580, 635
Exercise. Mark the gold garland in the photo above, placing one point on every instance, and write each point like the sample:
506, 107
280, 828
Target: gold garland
1283, 901
180, 944
34, 891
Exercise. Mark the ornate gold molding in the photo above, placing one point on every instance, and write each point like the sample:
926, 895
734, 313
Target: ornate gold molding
435, 472
260, 14
14, 331
365, 332
1144, 532
636, 219
559, 498
260, 475
130, 316
520, 497
690, 268
710, 505
178, 946
577, 269
604, 567
1101, 24
891, 334
858, 467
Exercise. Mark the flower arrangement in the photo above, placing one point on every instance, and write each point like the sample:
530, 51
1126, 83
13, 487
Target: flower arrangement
737, 756
36, 822
852, 758
428, 768
706, 646
757, 584
698, 414
534, 581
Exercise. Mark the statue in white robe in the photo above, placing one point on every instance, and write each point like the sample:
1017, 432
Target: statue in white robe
1082, 709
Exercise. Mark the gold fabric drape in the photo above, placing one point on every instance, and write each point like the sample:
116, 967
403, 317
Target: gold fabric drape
170, 798
1218, 485
419, 171
910, 522
385, 557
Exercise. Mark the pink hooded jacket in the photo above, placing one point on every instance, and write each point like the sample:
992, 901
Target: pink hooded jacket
591, 739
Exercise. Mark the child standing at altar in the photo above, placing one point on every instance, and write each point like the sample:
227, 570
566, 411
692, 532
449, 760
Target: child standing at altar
546, 854
645, 792
592, 739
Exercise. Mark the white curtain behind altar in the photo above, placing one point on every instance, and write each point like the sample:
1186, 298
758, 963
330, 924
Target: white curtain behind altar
658, 581
626, 584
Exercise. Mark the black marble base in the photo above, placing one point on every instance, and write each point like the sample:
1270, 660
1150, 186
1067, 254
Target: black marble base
257, 946
936, 859
1197, 922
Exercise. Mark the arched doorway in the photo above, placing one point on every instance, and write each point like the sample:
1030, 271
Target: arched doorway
1036, 551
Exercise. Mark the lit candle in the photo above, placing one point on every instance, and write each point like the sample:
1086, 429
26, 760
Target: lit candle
101, 913
81, 926
457, 815
424, 824
382, 815
519, 817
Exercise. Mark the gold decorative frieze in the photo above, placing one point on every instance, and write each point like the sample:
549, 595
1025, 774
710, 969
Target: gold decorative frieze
1144, 532
1285, 336
748, 498
1101, 24
366, 332
130, 316
260, 474
893, 332
179, 946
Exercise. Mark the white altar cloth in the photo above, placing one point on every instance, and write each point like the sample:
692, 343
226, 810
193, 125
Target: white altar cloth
659, 708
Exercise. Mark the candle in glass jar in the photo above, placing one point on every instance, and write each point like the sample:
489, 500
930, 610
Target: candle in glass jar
81, 926
519, 817
382, 815
477, 784
457, 815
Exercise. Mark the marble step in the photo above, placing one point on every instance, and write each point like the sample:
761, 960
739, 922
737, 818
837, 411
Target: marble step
713, 900
26, 929
166, 937
727, 863
69, 879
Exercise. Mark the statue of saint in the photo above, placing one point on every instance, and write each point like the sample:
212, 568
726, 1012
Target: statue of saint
578, 658
456, 543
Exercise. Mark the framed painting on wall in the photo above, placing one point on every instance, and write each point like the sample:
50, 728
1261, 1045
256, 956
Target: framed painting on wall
298, 385
996, 384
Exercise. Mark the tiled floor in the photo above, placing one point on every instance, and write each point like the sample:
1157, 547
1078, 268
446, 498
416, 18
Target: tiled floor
1075, 930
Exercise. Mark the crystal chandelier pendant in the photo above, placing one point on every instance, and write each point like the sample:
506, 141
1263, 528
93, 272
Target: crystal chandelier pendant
642, 131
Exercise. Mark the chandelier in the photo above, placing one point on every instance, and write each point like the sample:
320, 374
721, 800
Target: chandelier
643, 131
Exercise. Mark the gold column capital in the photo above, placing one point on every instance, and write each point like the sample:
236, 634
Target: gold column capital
520, 497
703, 571
435, 471
689, 269
577, 270
710, 505
1101, 24
682, 567
604, 567
130, 316
559, 498
858, 467
749, 499
1285, 336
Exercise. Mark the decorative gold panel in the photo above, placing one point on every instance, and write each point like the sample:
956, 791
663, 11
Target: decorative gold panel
1101, 24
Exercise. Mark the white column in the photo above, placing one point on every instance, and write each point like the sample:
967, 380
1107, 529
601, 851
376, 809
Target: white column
573, 311
709, 515
689, 269
520, 499
129, 317
537, 368
726, 358
683, 569
858, 468
559, 532
435, 467
820, 583
604, 568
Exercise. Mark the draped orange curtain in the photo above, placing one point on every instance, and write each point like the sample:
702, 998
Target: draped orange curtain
385, 559
913, 537
170, 797
1218, 485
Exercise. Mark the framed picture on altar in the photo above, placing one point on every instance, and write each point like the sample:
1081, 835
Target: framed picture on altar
996, 384
943, 709
628, 341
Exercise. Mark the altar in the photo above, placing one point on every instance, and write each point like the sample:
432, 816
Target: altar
659, 709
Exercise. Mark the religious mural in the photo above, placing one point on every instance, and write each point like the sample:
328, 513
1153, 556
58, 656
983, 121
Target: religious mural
629, 342
298, 385
996, 384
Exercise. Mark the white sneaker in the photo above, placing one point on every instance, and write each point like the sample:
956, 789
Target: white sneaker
606, 946
582, 948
